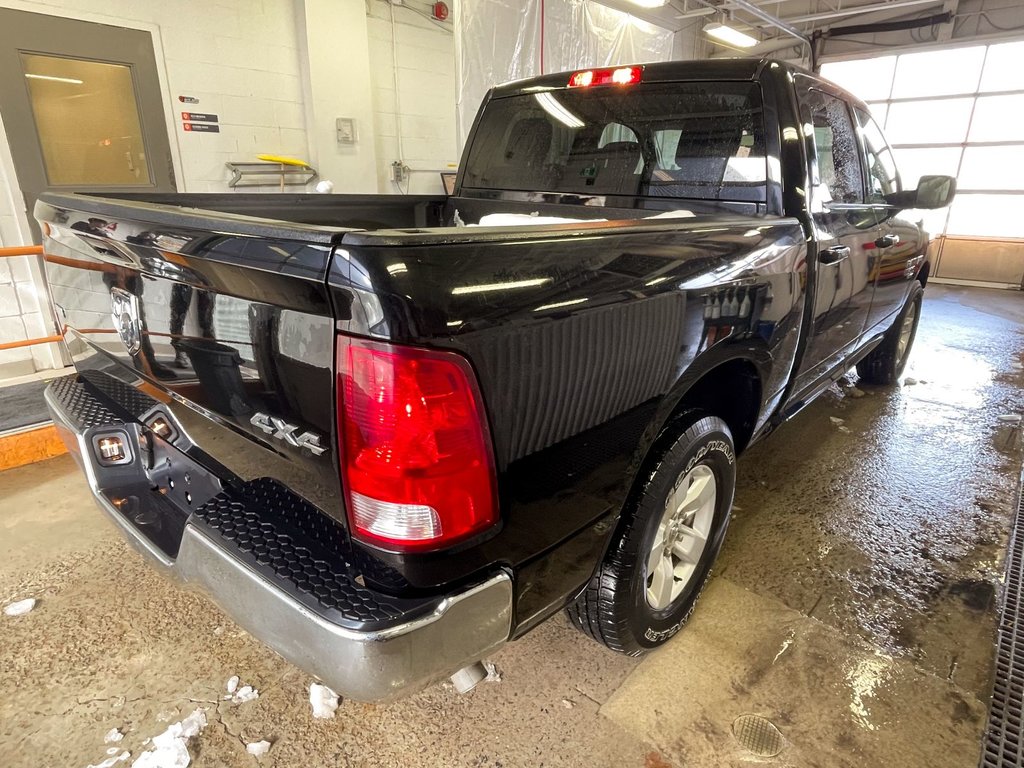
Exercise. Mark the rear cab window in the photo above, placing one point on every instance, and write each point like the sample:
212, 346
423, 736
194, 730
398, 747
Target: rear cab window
688, 140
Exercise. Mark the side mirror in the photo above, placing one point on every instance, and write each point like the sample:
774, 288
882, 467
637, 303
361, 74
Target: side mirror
935, 192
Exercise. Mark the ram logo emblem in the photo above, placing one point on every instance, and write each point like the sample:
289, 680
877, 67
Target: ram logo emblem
282, 430
124, 309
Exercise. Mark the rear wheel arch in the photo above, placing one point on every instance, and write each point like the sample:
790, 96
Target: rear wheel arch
702, 389
729, 386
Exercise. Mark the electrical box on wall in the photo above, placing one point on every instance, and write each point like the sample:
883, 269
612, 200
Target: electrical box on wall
346, 128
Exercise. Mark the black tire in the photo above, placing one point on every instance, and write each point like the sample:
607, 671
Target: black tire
885, 364
614, 609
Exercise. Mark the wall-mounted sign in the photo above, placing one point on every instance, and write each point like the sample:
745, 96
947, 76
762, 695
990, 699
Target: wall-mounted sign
201, 117
188, 99
201, 127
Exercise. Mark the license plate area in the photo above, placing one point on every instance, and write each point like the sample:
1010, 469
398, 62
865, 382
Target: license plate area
158, 490
180, 480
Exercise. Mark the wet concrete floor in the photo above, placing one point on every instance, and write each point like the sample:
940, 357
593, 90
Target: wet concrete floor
853, 607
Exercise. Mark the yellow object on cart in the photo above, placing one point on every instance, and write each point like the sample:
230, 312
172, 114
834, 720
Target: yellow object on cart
283, 160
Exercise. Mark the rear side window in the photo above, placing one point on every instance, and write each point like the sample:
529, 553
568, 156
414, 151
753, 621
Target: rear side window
700, 141
837, 176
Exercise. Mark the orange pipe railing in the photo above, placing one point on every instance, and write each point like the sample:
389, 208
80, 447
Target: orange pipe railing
25, 250
21, 250
29, 342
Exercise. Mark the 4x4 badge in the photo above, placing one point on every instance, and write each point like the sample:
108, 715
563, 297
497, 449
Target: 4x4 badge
282, 430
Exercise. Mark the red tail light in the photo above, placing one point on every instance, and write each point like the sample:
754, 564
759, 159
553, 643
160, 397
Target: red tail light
614, 76
416, 457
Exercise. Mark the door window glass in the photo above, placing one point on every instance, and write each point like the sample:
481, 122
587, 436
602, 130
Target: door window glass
869, 79
997, 118
87, 121
837, 175
928, 122
1003, 71
926, 161
882, 176
938, 73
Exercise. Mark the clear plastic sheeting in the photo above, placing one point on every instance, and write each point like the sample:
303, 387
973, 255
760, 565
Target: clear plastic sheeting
497, 41
581, 33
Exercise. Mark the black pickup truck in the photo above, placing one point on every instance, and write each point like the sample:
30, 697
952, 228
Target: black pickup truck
388, 434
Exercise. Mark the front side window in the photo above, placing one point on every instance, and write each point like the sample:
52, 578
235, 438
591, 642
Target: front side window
882, 176
698, 140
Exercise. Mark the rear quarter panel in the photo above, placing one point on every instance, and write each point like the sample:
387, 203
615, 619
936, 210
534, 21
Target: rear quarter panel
584, 340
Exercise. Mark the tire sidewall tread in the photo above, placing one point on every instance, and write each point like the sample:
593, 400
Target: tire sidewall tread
615, 602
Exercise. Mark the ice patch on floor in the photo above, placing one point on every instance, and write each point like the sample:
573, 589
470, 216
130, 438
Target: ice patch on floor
21, 607
258, 748
170, 748
323, 700
238, 695
112, 736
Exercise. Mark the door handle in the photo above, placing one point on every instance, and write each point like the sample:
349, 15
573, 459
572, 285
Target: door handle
887, 241
834, 255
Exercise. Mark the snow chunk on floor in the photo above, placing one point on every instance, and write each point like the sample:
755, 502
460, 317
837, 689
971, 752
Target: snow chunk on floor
112, 761
258, 748
232, 685
493, 673
323, 700
21, 607
113, 735
244, 694
170, 748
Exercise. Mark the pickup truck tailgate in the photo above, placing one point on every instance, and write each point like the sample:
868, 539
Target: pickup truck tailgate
221, 322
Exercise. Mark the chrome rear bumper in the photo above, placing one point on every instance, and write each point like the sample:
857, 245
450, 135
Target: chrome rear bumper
376, 665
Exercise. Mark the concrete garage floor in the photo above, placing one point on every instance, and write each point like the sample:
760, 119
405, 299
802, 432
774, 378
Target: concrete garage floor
854, 607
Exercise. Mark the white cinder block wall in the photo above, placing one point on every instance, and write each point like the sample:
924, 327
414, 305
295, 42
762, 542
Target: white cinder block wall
249, 62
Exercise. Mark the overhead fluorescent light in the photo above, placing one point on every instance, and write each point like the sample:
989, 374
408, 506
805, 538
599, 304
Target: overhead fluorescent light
559, 304
730, 36
553, 107
53, 79
649, 3
462, 290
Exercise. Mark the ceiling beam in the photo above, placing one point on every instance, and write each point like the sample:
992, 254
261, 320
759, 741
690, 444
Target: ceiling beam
773, 21
862, 10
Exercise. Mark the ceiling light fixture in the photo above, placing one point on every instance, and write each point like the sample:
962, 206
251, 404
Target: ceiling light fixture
553, 107
54, 79
730, 36
649, 3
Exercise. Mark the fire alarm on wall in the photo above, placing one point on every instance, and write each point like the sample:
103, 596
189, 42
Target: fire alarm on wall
440, 11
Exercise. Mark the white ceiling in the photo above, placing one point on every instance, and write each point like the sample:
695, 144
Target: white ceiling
805, 15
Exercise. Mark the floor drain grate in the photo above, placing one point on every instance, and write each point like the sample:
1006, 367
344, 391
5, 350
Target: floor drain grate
1004, 745
758, 735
